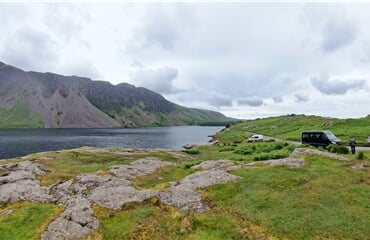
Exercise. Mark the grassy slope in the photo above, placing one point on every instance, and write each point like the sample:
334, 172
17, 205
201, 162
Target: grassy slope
291, 127
19, 116
138, 117
326, 199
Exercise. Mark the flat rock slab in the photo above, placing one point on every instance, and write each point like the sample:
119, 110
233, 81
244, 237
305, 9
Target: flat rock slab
183, 195
138, 168
18, 181
290, 162
214, 165
75, 222
117, 196
306, 151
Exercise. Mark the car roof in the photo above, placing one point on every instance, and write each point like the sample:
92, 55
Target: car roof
316, 131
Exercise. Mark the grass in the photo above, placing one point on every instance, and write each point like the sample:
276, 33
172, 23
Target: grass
20, 117
69, 163
28, 220
325, 199
245, 151
161, 178
121, 225
290, 128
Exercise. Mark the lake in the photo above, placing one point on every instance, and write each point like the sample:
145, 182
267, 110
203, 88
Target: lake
21, 142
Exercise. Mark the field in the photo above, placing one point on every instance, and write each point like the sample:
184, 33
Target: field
290, 128
324, 199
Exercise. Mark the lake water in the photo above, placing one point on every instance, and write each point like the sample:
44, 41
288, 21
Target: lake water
21, 142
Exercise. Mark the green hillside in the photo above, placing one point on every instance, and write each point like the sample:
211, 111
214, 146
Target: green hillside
290, 127
20, 117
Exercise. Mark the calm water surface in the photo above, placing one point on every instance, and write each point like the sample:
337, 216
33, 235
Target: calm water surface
20, 142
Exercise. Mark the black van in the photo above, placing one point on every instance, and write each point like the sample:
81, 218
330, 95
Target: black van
320, 138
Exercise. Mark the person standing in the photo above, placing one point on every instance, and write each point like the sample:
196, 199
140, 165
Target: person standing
352, 143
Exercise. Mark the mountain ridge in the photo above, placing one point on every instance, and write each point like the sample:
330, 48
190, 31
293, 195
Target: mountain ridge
50, 100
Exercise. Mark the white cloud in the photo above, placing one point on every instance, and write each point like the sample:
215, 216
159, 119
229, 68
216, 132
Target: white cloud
221, 56
30, 49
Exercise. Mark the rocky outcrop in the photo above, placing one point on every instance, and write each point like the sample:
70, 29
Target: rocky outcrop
18, 181
307, 151
183, 194
75, 222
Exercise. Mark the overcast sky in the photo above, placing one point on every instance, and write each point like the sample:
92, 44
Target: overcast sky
246, 60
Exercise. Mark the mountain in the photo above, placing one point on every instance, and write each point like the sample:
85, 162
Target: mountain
34, 99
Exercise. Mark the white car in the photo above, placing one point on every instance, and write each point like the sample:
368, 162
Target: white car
256, 138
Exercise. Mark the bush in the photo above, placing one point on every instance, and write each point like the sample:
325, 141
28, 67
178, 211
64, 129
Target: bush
191, 164
333, 148
245, 149
226, 149
264, 151
343, 150
360, 156
192, 151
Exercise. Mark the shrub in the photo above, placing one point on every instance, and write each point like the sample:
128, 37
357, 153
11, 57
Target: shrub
191, 164
192, 151
343, 150
245, 149
360, 156
226, 149
264, 151
333, 148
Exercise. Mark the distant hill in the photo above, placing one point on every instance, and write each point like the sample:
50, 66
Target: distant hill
34, 99
290, 127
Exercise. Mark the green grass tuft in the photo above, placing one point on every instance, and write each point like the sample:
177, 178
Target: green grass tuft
27, 221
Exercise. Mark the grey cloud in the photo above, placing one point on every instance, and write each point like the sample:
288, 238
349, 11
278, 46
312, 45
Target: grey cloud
59, 21
219, 100
277, 99
30, 49
299, 97
82, 68
336, 35
336, 87
252, 102
159, 80
260, 85
159, 29
200, 97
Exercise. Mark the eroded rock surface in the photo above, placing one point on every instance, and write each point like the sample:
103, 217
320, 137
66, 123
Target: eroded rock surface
290, 162
306, 151
183, 194
18, 181
75, 222
138, 168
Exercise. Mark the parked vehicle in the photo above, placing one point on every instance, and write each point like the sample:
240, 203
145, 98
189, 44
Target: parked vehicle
320, 138
255, 138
